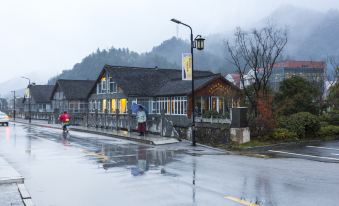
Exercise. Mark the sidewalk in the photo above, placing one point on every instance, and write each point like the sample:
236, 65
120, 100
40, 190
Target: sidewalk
13, 191
132, 136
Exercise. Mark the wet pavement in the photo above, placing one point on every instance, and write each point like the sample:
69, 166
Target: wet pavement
321, 151
88, 169
9, 195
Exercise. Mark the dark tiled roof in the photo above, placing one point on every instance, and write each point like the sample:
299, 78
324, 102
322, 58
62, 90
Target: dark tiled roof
136, 81
75, 89
41, 93
180, 87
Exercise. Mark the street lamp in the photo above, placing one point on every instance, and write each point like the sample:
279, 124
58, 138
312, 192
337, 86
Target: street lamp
13, 104
198, 43
29, 99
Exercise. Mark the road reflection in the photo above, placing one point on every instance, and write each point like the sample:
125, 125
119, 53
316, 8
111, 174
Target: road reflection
8, 134
28, 148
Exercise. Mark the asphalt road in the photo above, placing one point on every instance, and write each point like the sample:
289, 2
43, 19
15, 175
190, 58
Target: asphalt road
95, 170
321, 151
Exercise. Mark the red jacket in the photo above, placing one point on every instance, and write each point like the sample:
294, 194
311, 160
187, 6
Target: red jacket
64, 117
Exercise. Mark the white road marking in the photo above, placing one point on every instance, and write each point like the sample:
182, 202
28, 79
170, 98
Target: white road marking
304, 155
328, 148
335, 154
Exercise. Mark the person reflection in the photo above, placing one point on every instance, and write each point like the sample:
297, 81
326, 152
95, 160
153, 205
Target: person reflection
141, 166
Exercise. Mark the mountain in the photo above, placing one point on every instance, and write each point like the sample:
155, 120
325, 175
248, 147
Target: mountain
312, 35
323, 40
19, 84
90, 67
166, 55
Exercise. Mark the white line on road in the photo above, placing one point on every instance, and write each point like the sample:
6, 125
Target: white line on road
304, 155
329, 148
335, 154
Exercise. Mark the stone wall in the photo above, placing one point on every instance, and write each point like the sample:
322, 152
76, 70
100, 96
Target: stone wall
212, 134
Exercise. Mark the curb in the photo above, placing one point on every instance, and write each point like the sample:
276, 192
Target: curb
25, 196
16, 178
13, 180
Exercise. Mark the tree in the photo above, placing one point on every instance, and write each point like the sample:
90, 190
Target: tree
333, 96
296, 95
257, 50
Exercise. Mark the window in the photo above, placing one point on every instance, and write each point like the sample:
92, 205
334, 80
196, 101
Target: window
123, 106
99, 105
173, 105
103, 85
112, 86
82, 107
179, 105
113, 105
104, 105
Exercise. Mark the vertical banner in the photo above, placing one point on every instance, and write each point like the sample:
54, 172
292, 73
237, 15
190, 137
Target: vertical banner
27, 93
186, 66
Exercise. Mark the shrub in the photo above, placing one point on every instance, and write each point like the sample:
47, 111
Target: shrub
331, 117
282, 134
304, 124
334, 117
261, 127
324, 124
329, 131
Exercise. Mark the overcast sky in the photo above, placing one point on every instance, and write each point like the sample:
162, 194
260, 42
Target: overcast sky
50, 36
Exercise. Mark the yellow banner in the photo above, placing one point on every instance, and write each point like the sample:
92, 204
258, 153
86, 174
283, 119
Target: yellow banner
186, 66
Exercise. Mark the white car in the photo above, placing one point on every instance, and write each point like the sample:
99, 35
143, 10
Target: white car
4, 119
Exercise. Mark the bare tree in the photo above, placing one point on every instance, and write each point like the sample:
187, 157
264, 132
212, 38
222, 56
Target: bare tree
257, 50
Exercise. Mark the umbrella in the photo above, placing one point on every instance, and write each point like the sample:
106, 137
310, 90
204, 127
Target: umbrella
135, 108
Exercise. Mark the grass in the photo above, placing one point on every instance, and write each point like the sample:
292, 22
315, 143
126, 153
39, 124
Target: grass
252, 143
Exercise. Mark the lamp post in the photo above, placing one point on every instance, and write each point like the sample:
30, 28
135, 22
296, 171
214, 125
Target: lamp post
29, 99
13, 105
197, 43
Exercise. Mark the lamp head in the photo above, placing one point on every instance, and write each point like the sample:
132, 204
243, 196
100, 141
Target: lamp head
199, 42
176, 21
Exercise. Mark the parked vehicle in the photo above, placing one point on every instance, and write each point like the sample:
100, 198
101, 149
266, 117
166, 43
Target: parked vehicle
4, 119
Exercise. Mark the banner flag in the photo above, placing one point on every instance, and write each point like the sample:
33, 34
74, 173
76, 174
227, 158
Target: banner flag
186, 66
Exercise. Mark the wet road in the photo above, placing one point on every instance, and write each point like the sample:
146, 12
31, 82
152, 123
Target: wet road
95, 170
321, 151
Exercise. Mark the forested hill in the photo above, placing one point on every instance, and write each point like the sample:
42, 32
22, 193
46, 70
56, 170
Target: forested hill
166, 55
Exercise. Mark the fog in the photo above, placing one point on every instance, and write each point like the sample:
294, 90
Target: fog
49, 36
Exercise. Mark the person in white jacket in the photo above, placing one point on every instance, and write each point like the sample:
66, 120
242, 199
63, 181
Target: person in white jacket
141, 118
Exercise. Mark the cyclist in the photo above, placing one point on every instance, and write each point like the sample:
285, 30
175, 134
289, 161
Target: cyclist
64, 118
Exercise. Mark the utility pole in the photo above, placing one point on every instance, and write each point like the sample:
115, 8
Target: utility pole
29, 99
14, 111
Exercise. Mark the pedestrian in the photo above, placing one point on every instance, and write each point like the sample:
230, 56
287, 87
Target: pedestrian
141, 118
65, 118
